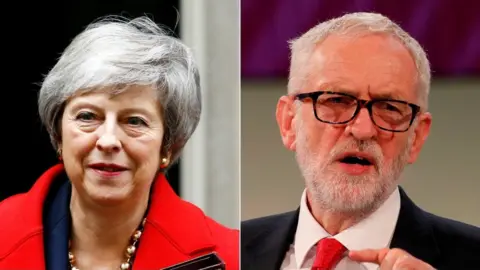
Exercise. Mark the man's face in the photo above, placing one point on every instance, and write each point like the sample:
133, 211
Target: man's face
368, 67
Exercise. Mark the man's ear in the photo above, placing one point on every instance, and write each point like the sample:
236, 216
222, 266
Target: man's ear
285, 115
422, 130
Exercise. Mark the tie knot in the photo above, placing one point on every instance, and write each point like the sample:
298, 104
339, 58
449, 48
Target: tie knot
329, 253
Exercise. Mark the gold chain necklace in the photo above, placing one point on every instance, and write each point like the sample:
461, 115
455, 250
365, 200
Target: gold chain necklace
130, 251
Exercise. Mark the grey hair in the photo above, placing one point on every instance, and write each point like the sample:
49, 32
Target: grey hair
116, 52
357, 23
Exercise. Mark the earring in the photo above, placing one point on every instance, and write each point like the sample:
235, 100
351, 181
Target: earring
59, 153
164, 163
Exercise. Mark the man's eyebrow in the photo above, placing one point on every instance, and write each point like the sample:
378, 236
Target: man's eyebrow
388, 94
334, 87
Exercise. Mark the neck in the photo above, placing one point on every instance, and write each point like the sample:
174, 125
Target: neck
333, 221
101, 234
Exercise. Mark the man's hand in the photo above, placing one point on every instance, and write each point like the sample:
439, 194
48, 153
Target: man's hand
389, 259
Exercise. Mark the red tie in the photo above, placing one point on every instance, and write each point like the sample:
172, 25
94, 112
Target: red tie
329, 253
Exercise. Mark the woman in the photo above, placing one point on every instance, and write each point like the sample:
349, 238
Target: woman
119, 106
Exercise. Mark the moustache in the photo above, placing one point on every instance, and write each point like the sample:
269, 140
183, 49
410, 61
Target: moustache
368, 147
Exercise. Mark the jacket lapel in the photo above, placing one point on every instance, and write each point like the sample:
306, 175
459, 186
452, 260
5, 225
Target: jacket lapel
267, 250
413, 232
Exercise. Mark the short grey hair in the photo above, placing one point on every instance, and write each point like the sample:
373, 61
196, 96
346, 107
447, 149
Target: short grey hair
117, 52
357, 23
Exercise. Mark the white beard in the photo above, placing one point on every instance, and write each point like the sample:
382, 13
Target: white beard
337, 191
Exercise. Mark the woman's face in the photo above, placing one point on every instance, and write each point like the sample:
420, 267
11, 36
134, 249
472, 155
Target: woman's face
111, 143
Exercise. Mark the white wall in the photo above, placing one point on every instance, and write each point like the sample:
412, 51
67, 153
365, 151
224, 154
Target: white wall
210, 171
445, 180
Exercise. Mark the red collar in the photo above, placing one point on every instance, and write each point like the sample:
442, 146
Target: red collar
178, 220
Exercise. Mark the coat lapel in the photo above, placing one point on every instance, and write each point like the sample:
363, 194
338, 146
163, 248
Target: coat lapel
267, 250
175, 230
413, 232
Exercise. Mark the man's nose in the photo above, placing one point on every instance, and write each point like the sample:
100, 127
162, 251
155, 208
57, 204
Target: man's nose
362, 126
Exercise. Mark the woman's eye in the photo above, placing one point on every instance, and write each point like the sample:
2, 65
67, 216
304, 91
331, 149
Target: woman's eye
136, 121
85, 116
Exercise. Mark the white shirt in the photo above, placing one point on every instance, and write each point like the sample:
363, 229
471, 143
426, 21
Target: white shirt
375, 232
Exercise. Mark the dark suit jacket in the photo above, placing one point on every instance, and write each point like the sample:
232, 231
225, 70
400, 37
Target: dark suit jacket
443, 243
34, 229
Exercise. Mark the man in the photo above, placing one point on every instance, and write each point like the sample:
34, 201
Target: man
356, 115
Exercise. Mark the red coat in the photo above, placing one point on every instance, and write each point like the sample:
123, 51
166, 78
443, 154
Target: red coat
175, 230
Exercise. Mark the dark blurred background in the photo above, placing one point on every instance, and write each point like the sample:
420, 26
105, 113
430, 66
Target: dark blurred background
449, 30
34, 35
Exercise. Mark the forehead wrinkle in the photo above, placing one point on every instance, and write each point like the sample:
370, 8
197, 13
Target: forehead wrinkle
329, 79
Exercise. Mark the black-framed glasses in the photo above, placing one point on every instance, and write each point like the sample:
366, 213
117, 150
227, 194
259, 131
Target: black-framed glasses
340, 108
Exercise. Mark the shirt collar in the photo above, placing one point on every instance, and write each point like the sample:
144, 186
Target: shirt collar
375, 231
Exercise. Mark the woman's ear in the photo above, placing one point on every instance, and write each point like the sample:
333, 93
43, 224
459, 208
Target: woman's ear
59, 152
165, 159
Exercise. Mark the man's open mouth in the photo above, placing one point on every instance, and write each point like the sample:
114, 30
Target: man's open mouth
355, 159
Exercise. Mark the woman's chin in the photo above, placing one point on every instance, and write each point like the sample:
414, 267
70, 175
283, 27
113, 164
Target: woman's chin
108, 196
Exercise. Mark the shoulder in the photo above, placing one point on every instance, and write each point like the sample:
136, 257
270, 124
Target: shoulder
12, 211
179, 216
190, 230
226, 241
16, 226
456, 244
266, 222
223, 234
257, 227
11, 205
456, 238
448, 244
22, 214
